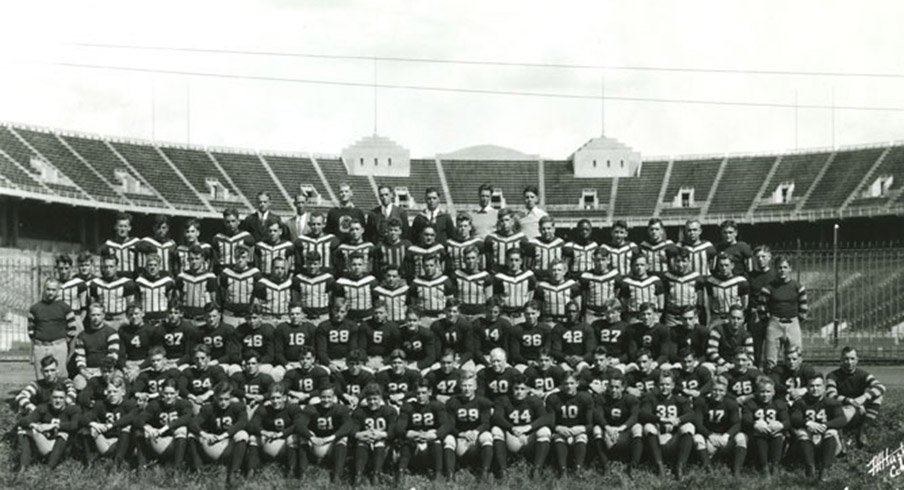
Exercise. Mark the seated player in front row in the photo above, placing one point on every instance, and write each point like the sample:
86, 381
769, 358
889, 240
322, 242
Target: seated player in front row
108, 425
423, 425
668, 425
765, 420
273, 430
718, 426
616, 426
470, 432
374, 429
815, 421
573, 421
324, 428
219, 431
47, 429
859, 392
163, 427
521, 425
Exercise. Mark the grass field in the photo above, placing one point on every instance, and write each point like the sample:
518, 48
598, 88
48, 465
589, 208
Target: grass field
849, 471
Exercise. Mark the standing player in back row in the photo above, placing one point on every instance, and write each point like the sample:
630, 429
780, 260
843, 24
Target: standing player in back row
273, 247
514, 287
657, 247
508, 236
122, 245
579, 252
702, 251
545, 249
620, 249
225, 243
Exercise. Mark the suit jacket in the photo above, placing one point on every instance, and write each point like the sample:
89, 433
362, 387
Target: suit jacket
294, 232
444, 224
377, 222
252, 224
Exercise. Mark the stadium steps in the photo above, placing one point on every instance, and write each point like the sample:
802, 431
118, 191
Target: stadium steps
147, 161
800, 168
564, 189
665, 185
816, 180
511, 177
238, 191
697, 174
18, 176
373, 185
867, 177
48, 147
541, 182
185, 180
739, 185
712, 190
423, 175
336, 172
610, 213
841, 177
765, 186
197, 166
326, 183
445, 183
637, 195
101, 176
294, 172
245, 170
279, 185
105, 160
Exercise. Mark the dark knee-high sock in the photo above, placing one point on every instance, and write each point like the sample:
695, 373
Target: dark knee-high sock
761, 448
599, 449
361, 454
238, 455
85, 445
829, 446
24, 451
56, 454
685, 446
808, 451
449, 461
655, 449
254, 458
194, 455
740, 454
561, 455
703, 454
340, 452
486, 457
776, 445
580, 454
379, 459
291, 460
405, 458
179, 446
436, 450
541, 452
303, 462
500, 451
122, 447
636, 451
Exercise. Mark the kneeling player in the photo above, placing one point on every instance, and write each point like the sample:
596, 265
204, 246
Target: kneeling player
573, 412
109, 423
164, 426
616, 426
668, 422
521, 424
816, 420
324, 428
470, 427
718, 424
273, 429
47, 428
765, 419
423, 423
859, 392
220, 430
374, 422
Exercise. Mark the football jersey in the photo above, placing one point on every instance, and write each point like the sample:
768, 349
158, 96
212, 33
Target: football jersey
571, 410
166, 251
598, 288
698, 378
290, 339
741, 256
468, 415
265, 253
268, 418
416, 255
314, 293
154, 294
74, 292
274, 295
514, 290
95, 344
419, 346
742, 384
68, 417
194, 381
379, 339
620, 256
702, 256
257, 384
394, 383
120, 416
229, 420
754, 410
396, 301
823, 410
135, 341
553, 298
125, 252
391, 254
335, 341
494, 384
325, 245
580, 256
658, 255
182, 256
321, 421
176, 339
596, 379
196, 291
424, 417
382, 417
511, 412
619, 411
457, 336
682, 291
445, 383
496, 246
641, 336
645, 382
474, 289
723, 293
307, 381
358, 294
354, 383
720, 417
656, 407
114, 294
429, 295
572, 340
151, 381
786, 379
542, 254
259, 340
456, 249
723, 343
544, 380
612, 336
225, 245
842, 383
237, 289
526, 342
345, 250
634, 292
222, 343
489, 335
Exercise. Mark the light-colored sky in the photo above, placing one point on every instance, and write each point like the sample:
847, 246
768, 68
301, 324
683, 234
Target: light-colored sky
818, 35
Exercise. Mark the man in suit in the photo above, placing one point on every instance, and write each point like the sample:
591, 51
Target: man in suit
298, 224
433, 216
256, 223
380, 215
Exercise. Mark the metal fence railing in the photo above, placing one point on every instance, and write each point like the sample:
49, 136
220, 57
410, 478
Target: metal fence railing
869, 285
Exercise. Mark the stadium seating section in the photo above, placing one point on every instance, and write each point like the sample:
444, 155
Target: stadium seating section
180, 175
